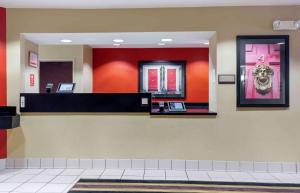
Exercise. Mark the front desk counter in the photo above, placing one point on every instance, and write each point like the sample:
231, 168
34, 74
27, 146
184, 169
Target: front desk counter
85, 102
191, 109
100, 102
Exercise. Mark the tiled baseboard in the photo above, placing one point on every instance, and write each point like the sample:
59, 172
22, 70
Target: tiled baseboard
204, 165
2, 164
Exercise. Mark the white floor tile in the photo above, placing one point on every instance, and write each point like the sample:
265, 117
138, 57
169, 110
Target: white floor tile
8, 186
197, 174
52, 172
165, 164
111, 177
72, 172
267, 181
11, 171
4, 177
138, 164
218, 175
32, 171
47, 163
240, 175
64, 179
178, 165
175, 173
222, 179
245, 180
85, 163
19, 178
99, 163
176, 178
112, 163
132, 178
54, 188
92, 172
155, 173
151, 164
202, 179
192, 164
30, 187
41, 179
89, 177
264, 176
134, 173
154, 178
125, 163
113, 172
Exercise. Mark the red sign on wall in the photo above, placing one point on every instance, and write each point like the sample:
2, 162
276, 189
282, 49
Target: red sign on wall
171, 73
31, 80
153, 80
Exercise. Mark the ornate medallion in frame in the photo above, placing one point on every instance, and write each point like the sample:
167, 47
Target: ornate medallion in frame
263, 71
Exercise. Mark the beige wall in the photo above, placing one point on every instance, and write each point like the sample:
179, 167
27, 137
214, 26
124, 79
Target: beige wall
271, 135
80, 56
87, 69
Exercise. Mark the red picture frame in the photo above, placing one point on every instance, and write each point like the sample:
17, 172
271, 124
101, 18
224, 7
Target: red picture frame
33, 59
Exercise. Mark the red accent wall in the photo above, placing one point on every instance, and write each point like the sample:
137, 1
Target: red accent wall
3, 135
116, 70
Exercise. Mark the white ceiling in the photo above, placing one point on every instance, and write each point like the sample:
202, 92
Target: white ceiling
104, 4
131, 39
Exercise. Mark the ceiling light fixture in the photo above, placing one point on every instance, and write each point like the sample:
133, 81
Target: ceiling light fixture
116, 44
161, 44
167, 40
118, 40
205, 43
65, 41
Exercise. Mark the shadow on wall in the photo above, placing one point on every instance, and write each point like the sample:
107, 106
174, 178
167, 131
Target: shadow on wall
17, 147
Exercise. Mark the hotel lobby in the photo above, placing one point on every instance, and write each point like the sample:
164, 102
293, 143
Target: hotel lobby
149, 96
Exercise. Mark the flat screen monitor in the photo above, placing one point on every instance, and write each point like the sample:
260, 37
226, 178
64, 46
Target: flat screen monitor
65, 88
176, 107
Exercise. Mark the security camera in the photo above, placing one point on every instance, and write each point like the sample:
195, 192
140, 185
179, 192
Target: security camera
286, 25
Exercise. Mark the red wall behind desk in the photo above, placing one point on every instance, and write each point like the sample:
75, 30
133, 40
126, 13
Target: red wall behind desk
116, 70
3, 135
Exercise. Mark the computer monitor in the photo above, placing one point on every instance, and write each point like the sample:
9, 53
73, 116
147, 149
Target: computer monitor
176, 107
49, 87
65, 88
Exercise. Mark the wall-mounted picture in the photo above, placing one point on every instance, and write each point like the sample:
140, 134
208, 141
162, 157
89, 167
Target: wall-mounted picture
33, 59
263, 71
164, 79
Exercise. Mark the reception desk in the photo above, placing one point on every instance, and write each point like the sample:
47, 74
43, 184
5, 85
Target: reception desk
101, 102
85, 102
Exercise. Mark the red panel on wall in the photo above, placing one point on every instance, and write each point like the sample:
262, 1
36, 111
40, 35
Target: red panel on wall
152, 79
171, 74
116, 70
3, 135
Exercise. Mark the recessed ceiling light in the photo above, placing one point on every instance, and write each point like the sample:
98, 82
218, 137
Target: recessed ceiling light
161, 44
116, 44
118, 40
65, 41
205, 43
166, 40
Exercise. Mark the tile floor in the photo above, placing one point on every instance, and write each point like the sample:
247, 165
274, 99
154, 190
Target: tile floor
61, 180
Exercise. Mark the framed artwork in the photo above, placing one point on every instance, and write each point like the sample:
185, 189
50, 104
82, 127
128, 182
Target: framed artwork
164, 79
33, 59
263, 71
